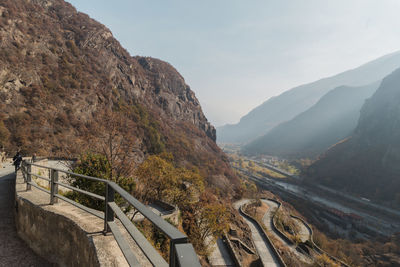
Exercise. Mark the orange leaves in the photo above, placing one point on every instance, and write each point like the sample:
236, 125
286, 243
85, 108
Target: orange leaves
159, 179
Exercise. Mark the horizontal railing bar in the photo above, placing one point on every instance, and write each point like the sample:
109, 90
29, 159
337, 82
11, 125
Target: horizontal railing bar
186, 256
40, 177
123, 244
37, 165
172, 233
70, 173
175, 236
151, 253
39, 187
81, 191
91, 211
84, 176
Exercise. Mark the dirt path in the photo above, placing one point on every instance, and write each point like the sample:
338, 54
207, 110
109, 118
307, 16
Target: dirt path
13, 251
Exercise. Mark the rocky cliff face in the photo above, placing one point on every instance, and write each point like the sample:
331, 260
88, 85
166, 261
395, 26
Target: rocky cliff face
368, 162
61, 70
50, 29
170, 93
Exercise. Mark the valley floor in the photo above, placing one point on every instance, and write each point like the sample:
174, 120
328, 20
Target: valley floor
359, 215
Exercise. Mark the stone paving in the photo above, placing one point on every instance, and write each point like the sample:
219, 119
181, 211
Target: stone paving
13, 251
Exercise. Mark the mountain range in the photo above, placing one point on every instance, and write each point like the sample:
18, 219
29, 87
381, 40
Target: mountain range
291, 103
310, 133
349, 124
368, 162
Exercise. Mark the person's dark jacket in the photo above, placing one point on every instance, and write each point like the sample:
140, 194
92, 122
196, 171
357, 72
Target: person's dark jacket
17, 159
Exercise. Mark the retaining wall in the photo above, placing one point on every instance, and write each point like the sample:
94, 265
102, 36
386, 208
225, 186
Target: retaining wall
61, 233
277, 230
232, 251
53, 236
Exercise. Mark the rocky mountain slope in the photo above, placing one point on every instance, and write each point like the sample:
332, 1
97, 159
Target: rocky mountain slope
368, 163
331, 119
65, 83
291, 103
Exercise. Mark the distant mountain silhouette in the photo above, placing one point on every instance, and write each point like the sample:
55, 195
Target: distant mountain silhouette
331, 119
368, 163
297, 100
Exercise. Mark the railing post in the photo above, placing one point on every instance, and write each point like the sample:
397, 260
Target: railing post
109, 213
49, 173
53, 186
23, 170
28, 177
172, 254
172, 250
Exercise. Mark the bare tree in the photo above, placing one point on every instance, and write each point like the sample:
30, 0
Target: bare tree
117, 144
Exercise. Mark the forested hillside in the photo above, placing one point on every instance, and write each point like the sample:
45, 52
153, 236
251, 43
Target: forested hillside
368, 162
331, 119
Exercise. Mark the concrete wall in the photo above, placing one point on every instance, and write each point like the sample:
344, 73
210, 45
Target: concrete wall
171, 212
44, 172
276, 229
231, 250
54, 236
64, 234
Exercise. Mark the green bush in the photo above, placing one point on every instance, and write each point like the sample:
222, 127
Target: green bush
95, 165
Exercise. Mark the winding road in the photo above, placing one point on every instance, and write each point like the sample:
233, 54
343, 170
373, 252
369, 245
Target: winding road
264, 250
268, 222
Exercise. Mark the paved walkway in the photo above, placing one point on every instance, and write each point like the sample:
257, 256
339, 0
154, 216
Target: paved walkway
264, 250
220, 255
13, 251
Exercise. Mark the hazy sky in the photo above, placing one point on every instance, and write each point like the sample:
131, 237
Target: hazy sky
237, 54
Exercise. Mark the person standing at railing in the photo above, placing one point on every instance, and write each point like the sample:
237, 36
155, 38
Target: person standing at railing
17, 161
33, 158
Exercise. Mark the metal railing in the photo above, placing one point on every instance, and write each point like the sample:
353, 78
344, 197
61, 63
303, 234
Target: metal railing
181, 251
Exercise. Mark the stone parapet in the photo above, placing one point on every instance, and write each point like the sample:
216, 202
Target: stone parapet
64, 234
